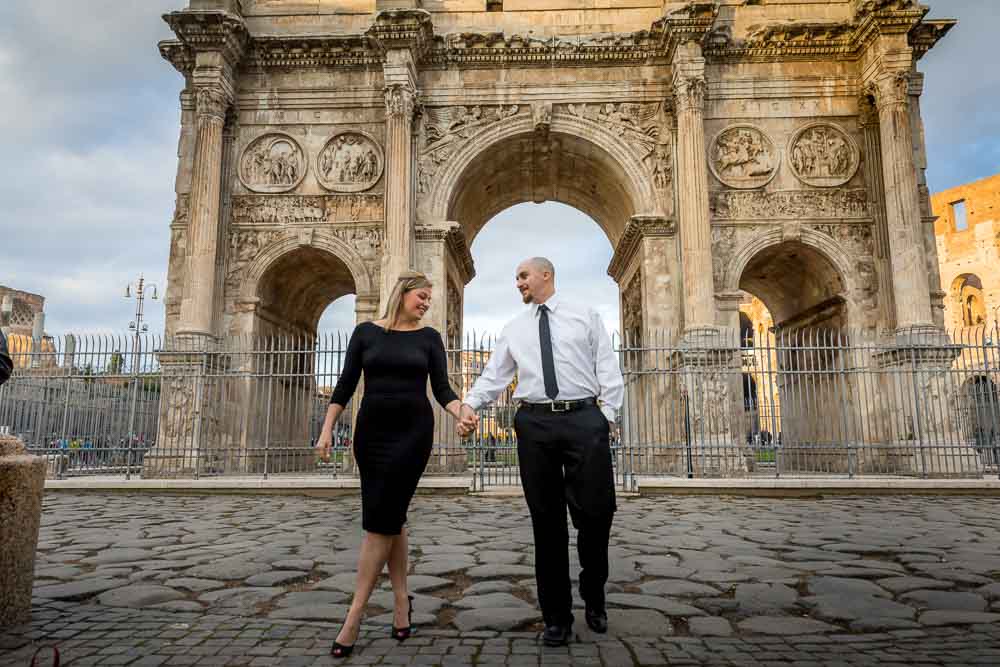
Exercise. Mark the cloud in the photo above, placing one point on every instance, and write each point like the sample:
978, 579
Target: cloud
961, 100
90, 121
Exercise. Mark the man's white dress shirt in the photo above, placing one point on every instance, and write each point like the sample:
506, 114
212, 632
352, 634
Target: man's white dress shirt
586, 366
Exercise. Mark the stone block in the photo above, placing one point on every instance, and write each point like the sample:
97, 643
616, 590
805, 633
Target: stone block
22, 483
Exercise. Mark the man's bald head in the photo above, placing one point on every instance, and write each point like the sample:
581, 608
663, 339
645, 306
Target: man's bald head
535, 279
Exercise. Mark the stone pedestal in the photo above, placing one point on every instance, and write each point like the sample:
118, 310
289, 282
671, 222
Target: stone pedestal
711, 396
22, 484
918, 420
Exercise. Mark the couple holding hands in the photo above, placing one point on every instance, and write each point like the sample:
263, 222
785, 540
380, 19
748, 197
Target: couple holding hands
569, 387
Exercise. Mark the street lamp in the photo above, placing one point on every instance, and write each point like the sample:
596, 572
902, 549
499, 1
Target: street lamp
137, 326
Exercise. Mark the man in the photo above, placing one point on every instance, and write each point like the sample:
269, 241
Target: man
570, 389
6, 364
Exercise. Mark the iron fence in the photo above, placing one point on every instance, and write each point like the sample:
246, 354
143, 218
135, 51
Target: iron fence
814, 402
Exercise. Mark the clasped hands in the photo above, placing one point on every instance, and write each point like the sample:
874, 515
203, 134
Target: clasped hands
467, 422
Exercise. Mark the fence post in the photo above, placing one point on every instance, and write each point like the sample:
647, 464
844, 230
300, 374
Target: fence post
68, 387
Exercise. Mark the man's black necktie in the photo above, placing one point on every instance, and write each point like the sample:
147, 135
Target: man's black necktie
548, 364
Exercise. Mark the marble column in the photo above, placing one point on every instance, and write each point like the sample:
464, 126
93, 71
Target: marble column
400, 100
692, 181
911, 285
197, 307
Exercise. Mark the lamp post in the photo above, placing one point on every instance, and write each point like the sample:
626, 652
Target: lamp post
137, 327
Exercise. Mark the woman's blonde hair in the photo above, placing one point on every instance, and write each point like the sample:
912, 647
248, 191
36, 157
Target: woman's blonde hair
408, 281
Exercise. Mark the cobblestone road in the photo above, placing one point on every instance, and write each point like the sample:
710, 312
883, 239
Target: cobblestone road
226, 580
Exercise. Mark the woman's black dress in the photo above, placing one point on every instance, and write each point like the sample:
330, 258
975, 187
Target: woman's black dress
395, 425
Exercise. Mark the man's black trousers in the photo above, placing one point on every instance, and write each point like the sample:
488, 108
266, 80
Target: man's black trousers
565, 460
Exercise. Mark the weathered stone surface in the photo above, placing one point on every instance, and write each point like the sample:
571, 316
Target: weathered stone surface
499, 570
490, 600
900, 585
228, 569
195, 584
499, 619
953, 617
765, 598
678, 588
711, 626
850, 607
79, 589
22, 483
925, 599
312, 612
666, 605
138, 596
844, 586
785, 626
275, 578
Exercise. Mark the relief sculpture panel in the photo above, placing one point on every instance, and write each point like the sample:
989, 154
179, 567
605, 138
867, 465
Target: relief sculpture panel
262, 210
272, 163
350, 162
743, 157
790, 205
823, 155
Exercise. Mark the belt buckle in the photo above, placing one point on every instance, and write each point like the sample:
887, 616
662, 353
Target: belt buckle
565, 406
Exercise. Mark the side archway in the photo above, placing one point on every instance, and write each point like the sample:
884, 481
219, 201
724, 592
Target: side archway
292, 281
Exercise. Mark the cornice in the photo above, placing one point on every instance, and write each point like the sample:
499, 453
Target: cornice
349, 51
211, 31
843, 41
413, 29
178, 54
403, 29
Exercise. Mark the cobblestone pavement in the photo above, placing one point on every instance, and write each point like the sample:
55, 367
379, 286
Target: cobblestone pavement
233, 580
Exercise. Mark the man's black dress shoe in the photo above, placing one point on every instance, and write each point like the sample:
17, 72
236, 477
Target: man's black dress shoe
597, 620
557, 635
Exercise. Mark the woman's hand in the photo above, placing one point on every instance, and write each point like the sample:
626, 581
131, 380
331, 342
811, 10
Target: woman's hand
324, 445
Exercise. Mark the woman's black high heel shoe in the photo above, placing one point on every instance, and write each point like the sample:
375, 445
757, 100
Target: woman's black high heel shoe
342, 650
401, 634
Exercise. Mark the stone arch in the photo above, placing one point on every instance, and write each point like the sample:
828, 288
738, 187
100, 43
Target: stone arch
827, 272
294, 279
966, 292
579, 144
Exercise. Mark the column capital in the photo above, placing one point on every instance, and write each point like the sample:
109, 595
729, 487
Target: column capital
890, 88
212, 101
400, 100
688, 80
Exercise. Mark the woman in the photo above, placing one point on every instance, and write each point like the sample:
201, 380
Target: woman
393, 438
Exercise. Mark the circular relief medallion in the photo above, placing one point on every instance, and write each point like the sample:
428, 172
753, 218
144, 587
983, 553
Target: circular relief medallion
350, 161
273, 163
823, 155
743, 157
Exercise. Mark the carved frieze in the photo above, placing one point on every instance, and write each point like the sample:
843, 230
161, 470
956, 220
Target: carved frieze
350, 161
447, 128
632, 311
794, 204
446, 124
272, 163
725, 241
856, 239
454, 317
367, 239
823, 155
743, 157
643, 126
287, 209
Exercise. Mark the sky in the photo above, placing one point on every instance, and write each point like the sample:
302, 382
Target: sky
90, 111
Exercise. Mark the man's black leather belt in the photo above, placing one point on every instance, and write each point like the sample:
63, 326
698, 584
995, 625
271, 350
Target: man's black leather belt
559, 406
